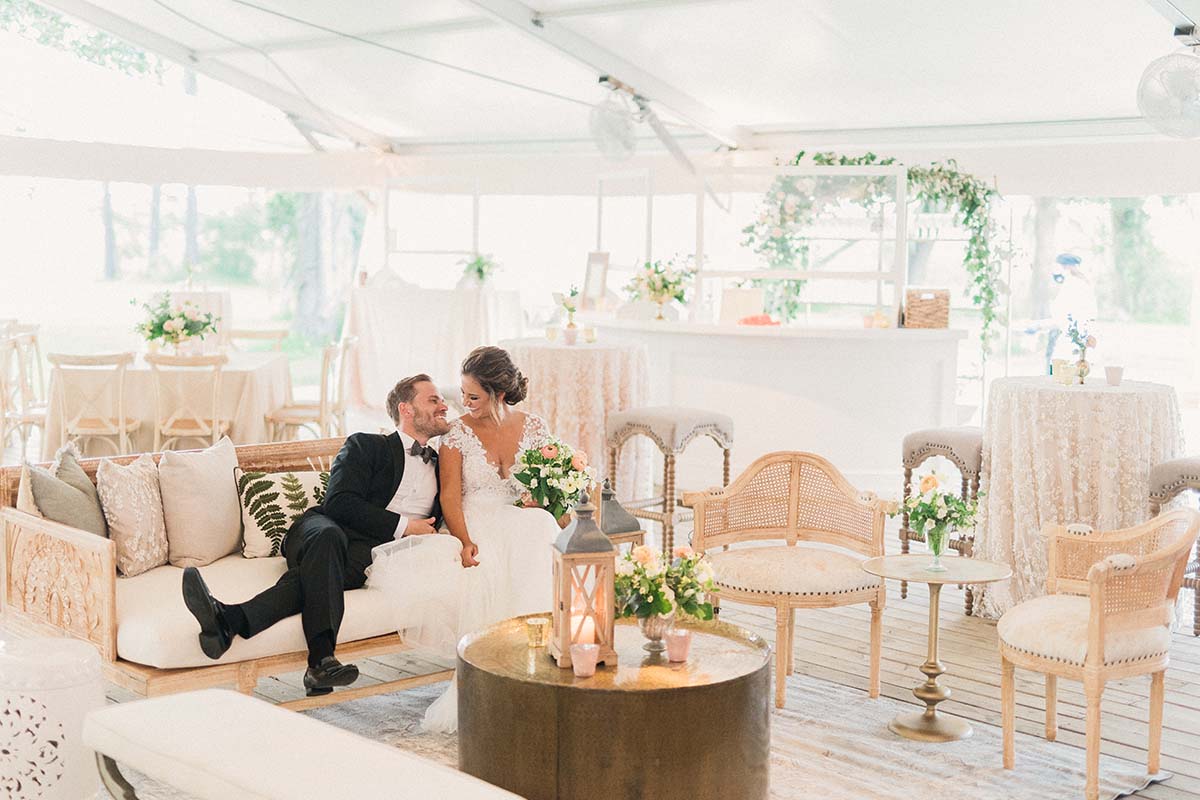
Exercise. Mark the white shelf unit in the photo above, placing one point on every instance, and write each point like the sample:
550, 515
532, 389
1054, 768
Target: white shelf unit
896, 276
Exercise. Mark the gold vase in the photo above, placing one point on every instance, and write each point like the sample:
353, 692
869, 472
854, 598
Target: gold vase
1082, 368
661, 303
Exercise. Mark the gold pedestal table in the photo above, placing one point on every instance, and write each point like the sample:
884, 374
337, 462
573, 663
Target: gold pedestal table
698, 730
928, 725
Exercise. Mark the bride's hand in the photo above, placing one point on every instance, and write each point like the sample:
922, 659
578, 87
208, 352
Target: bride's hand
469, 551
528, 502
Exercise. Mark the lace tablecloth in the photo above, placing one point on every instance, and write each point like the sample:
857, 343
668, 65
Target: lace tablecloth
576, 387
1055, 454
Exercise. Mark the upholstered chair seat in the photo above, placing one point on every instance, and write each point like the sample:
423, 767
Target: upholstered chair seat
1056, 627
671, 427
797, 570
1172, 477
963, 445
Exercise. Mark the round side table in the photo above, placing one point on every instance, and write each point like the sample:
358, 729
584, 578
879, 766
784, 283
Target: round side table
928, 725
645, 728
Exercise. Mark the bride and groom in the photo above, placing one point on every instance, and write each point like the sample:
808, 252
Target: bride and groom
389, 500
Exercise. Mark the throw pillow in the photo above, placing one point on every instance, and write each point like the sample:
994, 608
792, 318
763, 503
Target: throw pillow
200, 504
271, 502
63, 493
133, 509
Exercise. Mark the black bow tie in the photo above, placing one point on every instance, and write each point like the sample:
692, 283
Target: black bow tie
426, 452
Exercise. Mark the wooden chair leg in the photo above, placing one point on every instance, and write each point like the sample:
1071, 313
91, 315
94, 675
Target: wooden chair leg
1093, 690
668, 505
781, 656
1008, 709
1051, 707
1196, 611
612, 467
1156, 721
904, 524
876, 648
791, 661
969, 601
725, 469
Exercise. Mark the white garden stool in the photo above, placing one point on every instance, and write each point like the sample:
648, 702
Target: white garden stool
47, 687
672, 429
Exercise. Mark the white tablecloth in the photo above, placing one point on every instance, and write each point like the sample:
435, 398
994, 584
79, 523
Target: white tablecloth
1055, 454
251, 385
404, 330
576, 387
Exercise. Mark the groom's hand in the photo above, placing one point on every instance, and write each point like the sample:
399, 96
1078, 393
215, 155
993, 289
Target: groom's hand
469, 552
420, 527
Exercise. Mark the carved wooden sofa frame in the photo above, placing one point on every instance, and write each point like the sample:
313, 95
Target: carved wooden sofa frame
59, 580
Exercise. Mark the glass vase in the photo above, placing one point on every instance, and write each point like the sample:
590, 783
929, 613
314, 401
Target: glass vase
654, 628
935, 540
661, 303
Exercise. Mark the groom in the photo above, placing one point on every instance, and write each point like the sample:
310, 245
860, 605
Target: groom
381, 487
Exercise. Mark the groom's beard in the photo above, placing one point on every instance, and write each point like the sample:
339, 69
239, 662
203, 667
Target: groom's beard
430, 425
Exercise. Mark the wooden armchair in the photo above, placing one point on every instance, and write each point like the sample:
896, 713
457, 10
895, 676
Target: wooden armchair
1106, 616
801, 499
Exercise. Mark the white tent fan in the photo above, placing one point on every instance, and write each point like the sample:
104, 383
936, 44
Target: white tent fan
1169, 94
611, 124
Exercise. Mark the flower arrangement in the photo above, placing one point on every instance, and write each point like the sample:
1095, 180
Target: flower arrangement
175, 323
570, 304
1082, 339
479, 268
646, 587
937, 512
660, 282
554, 475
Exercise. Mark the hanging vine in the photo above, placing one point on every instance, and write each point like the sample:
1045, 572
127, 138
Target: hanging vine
793, 203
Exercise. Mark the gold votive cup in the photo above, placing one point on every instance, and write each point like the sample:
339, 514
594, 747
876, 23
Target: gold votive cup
589, 335
537, 631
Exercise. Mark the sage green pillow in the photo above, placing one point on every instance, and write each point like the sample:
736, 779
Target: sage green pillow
271, 502
64, 493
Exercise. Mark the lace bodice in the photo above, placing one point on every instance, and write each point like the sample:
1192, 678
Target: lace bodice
480, 476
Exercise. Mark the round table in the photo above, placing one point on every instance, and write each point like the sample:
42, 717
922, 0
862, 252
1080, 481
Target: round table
1056, 454
644, 728
928, 725
575, 388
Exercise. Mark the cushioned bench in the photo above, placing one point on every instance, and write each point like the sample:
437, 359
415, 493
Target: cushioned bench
219, 745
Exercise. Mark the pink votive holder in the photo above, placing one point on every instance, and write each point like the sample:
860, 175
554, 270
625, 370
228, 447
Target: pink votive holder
679, 641
583, 659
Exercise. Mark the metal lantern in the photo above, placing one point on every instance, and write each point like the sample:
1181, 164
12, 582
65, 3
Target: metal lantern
584, 607
615, 521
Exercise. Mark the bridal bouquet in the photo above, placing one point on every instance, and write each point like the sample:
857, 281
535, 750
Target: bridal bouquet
646, 586
175, 324
553, 475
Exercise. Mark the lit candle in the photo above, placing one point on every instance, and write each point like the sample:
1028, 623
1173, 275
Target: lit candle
583, 629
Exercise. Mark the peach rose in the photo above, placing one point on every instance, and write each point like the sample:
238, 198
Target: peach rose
929, 483
579, 461
1091, 341
642, 555
682, 551
550, 451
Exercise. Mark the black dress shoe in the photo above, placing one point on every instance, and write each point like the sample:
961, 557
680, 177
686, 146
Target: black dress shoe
215, 636
328, 673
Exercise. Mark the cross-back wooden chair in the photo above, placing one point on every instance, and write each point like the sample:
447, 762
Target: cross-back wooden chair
800, 499
274, 336
327, 416
1106, 616
91, 399
187, 399
26, 387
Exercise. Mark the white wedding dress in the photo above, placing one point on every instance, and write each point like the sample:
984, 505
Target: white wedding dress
436, 600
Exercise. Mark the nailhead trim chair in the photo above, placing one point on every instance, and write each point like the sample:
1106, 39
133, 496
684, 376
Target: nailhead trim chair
1166, 481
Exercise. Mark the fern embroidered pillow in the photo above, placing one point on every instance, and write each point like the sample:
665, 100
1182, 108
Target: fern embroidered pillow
271, 502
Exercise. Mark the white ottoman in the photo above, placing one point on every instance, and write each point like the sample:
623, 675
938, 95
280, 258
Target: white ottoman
47, 687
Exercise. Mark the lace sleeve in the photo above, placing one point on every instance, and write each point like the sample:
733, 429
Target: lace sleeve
455, 436
536, 431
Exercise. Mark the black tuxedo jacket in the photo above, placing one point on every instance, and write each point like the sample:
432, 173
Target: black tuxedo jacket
362, 481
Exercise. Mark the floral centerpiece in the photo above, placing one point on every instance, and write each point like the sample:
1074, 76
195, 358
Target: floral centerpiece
1082, 339
174, 324
570, 304
932, 514
660, 282
477, 270
655, 592
554, 475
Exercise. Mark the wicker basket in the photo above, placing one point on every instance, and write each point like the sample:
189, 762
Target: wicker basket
927, 308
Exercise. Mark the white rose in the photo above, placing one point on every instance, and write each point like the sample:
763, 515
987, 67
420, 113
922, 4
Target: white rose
941, 513
624, 567
704, 572
533, 483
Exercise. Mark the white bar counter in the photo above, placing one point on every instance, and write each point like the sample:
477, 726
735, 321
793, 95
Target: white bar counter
848, 394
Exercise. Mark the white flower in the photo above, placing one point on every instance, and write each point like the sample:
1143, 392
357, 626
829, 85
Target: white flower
533, 483
625, 567
704, 572
941, 512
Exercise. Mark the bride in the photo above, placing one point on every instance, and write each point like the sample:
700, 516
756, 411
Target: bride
496, 563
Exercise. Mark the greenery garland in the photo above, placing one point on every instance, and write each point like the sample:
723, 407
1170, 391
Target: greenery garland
794, 202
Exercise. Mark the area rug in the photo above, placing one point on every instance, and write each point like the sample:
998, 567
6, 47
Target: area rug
831, 742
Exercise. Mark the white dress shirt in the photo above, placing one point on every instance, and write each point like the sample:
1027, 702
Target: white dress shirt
418, 487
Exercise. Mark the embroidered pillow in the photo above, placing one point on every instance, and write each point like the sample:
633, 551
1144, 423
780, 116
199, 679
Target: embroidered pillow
200, 504
63, 493
133, 509
271, 502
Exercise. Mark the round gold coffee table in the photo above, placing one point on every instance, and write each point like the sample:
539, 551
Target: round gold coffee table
699, 730
928, 725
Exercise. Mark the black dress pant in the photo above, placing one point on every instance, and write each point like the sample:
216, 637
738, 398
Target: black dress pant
323, 563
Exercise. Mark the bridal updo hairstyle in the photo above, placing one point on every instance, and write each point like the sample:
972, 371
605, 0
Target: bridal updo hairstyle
494, 370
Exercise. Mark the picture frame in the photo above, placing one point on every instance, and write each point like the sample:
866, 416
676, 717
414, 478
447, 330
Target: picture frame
595, 281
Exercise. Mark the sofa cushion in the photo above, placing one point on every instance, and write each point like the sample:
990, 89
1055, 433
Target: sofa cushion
1056, 627
133, 509
200, 504
270, 502
156, 629
797, 570
63, 493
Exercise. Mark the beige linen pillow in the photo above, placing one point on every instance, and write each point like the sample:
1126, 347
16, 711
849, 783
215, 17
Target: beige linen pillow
133, 509
271, 502
200, 504
63, 493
